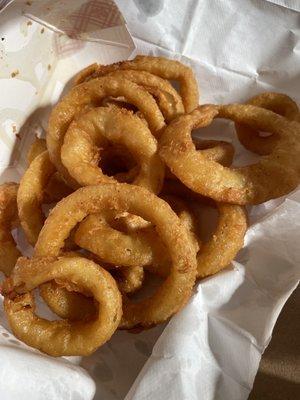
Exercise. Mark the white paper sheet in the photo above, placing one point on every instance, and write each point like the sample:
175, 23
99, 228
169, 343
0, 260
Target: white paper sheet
211, 350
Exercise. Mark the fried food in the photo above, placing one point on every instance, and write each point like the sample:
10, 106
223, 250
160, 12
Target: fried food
84, 74
9, 219
56, 189
64, 337
227, 239
216, 150
130, 249
129, 279
162, 67
37, 147
136, 247
167, 98
176, 188
176, 289
31, 193
161, 265
273, 176
68, 304
128, 177
117, 162
278, 103
86, 96
88, 133
65, 303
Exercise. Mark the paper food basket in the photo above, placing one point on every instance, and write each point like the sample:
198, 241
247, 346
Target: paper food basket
212, 348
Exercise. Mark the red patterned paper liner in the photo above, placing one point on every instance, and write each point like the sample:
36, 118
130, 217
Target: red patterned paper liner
94, 14
3, 3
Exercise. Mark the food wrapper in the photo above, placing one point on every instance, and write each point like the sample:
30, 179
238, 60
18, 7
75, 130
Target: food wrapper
212, 348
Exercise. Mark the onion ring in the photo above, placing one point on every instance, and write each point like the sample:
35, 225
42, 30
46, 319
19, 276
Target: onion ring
280, 104
87, 95
245, 185
185, 215
83, 75
72, 305
56, 189
30, 195
126, 222
62, 338
161, 262
8, 220
168, 99
215, 150
121, 103
41, 184
36, 148
138, 247
227, 239
218, 252
79, 152
65, 303
129, 279
178, 189
176, 289
117, 162
162, 67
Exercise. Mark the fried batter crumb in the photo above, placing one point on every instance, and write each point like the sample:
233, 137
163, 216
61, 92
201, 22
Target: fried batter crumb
15, 73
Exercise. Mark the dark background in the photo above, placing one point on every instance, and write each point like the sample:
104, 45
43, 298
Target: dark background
278, 377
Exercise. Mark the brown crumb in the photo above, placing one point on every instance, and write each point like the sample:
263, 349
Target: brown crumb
29, 23
18, 136
14, 128
49, 67
28, 3
42, 30
14, 73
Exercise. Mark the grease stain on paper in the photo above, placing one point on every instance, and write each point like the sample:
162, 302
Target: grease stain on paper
148, 8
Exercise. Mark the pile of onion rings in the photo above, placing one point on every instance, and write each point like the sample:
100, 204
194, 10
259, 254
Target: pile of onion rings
124, 181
